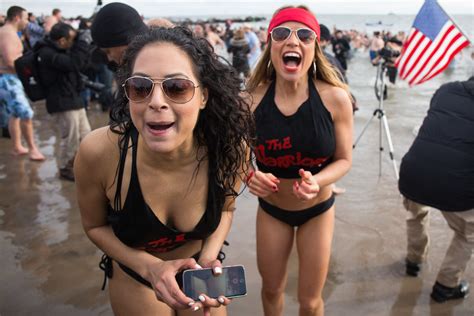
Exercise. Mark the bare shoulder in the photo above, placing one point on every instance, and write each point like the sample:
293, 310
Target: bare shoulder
335, 99
99, 146
258, 94
8, 37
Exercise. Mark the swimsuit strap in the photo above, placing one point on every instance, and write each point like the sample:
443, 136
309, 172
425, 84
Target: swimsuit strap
123, 157
134, 183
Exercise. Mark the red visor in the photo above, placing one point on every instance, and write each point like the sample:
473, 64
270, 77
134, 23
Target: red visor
295, 15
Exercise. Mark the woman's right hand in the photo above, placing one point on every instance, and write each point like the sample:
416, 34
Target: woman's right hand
162, 276
262, 184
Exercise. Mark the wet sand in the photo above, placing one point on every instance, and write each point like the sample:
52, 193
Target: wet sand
50, 267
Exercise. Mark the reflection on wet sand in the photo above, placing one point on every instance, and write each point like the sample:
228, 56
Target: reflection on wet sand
50, 267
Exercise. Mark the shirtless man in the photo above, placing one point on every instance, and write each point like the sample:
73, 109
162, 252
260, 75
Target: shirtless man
376, 44
17, 105
50, 21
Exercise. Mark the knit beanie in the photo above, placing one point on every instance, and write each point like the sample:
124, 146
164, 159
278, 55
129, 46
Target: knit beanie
325, 33
115, 25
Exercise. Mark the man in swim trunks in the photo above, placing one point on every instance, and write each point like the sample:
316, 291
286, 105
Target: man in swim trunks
18, 108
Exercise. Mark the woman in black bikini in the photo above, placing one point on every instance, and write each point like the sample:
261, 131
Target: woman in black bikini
303, 118
156, 188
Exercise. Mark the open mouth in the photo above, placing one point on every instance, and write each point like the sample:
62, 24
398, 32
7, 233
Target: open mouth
292, 59
159, 126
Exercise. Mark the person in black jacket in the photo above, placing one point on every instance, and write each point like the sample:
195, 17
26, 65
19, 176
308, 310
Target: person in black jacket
239, 47
61, 57
438, 172
113, 28
341, 48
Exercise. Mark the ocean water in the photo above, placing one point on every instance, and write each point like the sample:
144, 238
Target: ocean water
202, 10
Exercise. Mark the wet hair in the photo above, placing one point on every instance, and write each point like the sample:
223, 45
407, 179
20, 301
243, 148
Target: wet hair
225, 126
60, 30
264, 71
13, 12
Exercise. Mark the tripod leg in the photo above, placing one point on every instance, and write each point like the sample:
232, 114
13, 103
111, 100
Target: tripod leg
363, 130
390, 145
380, 143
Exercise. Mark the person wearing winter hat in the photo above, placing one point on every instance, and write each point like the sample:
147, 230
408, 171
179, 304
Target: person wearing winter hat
115, 25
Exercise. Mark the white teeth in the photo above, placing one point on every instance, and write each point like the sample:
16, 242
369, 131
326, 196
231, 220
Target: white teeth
292, 55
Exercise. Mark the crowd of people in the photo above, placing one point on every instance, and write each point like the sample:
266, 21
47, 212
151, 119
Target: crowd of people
156, 187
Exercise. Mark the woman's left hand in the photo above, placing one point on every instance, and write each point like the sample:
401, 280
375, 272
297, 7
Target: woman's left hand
307, 188
206, 301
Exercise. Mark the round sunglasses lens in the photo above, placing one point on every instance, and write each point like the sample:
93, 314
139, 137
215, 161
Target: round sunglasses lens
178, 90
306, 36
138, 89
280, 34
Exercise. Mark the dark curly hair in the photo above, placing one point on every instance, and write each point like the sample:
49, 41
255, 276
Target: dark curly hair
225, 126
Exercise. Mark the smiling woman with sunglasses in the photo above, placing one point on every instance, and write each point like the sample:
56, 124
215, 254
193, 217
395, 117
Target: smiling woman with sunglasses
303, 120
157, 188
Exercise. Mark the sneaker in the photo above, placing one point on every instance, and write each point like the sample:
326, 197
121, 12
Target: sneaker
443, 293
66, 173
412, 268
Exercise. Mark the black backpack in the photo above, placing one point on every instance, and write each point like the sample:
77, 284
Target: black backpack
27, 70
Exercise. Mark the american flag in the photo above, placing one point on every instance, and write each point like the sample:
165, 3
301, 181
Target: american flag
433, 42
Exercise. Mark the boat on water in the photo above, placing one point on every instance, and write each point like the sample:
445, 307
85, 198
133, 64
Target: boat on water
378, 23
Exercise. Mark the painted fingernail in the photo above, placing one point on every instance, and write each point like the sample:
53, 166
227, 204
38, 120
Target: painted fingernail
191, 303
221, 300
249, 177
197, 266
217, 270
195, 308
201, 298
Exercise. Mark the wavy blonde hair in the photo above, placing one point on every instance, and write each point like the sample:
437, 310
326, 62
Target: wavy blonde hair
264, 71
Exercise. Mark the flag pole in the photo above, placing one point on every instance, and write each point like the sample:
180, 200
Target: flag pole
455, 24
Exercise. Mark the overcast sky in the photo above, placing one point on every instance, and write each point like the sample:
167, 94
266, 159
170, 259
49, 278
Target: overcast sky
242, 7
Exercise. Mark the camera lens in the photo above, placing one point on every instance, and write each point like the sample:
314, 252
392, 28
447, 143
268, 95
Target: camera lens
235, 281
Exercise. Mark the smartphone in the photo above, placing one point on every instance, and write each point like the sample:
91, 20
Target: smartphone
231, 283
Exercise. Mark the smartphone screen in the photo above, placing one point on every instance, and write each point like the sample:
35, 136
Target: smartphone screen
231, 283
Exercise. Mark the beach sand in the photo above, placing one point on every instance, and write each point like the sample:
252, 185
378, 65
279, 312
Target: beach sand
49, 266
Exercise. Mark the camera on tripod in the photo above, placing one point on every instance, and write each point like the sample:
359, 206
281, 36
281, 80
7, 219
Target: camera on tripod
388, 54
385, 61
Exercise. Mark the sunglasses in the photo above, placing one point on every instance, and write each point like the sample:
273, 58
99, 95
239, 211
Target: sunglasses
178, 90
282, 33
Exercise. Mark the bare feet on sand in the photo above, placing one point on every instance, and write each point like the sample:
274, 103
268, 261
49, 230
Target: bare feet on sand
35, 155
19, 151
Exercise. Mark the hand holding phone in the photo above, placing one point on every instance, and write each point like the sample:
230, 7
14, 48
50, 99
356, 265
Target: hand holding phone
161, 275
231, 283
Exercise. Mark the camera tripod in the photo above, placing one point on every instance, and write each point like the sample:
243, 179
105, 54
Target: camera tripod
380, 93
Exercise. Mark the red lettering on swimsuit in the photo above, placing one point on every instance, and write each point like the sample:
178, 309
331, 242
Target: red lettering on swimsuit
285, 161
159, 242
276, 144
180, 238
165, 244
273, 144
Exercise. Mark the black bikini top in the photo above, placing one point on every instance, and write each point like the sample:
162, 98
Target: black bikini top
304, 139
137, 226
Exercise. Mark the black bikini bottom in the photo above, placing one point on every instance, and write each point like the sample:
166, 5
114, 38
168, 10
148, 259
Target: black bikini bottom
106, 266
296, 218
